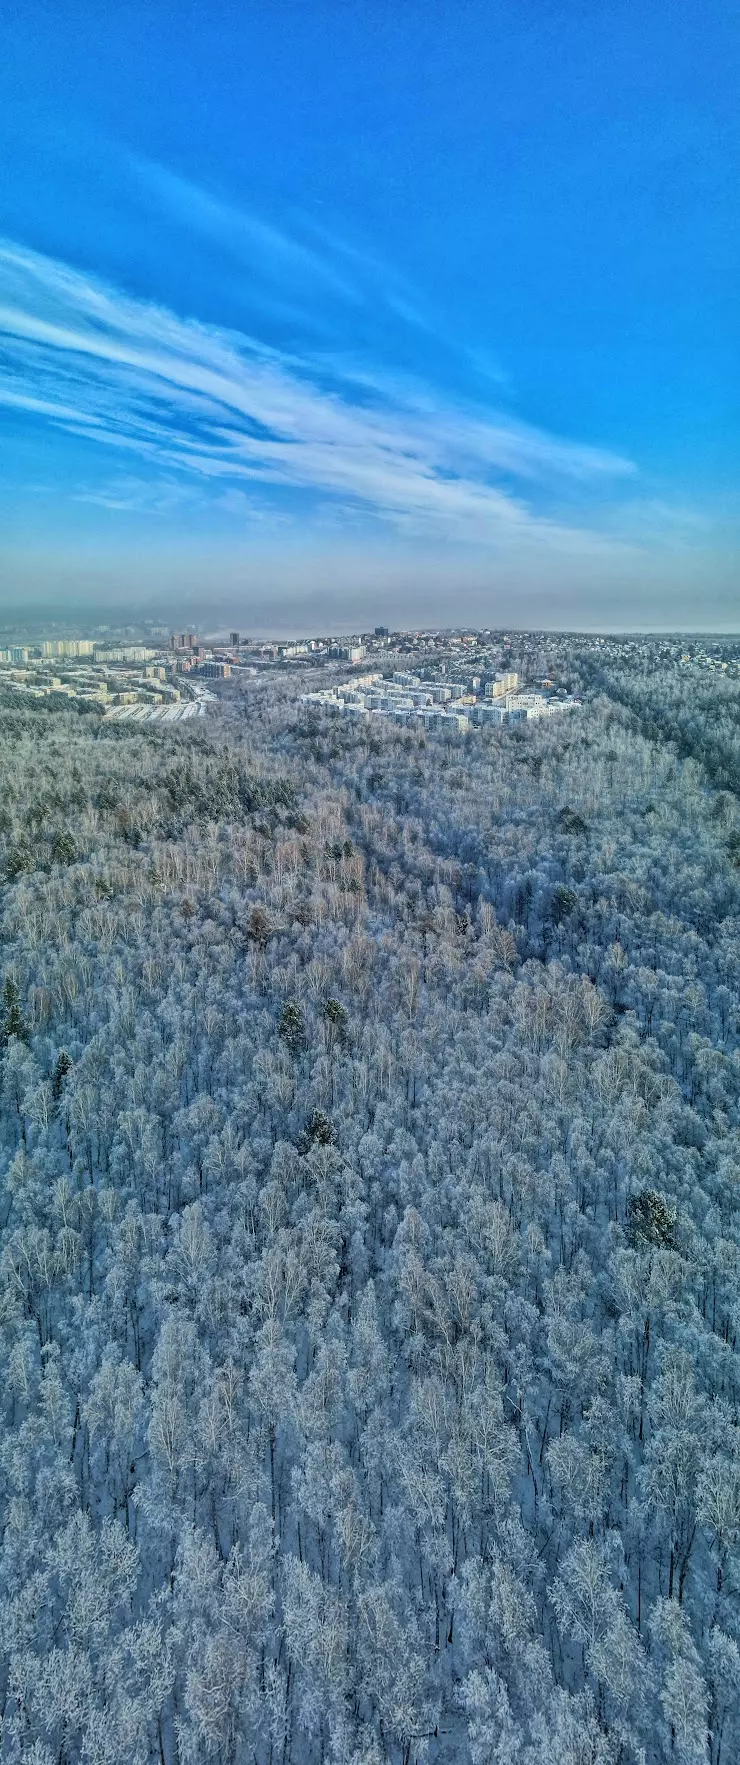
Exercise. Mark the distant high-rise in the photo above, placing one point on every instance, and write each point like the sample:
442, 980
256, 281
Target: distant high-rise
67, 646
182, 640
234, 640
381, 631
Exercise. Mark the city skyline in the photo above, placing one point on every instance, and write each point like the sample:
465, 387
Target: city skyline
379, 318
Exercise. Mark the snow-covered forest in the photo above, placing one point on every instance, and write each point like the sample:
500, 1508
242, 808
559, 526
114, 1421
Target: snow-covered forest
370, 1237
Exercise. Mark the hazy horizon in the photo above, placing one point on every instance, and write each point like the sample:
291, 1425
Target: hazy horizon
309, 595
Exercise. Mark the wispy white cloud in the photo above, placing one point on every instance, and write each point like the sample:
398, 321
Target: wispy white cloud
309, 257
241, 234
225, 409
295, 268
134, 494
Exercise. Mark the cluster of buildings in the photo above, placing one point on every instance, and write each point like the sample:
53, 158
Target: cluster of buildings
453, 706
161, 681
193, 657
716, 664
214, 662
49, 650
124, 681
312, 649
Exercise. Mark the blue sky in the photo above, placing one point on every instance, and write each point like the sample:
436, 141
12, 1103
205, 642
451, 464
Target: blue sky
310, 312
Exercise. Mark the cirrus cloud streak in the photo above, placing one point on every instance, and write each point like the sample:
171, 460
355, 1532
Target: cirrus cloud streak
220, 407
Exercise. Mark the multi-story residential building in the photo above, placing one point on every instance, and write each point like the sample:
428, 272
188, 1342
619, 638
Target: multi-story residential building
124, 653
502, 684
67, 646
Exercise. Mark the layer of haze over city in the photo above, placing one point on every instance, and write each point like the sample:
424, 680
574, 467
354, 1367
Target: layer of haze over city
313, 315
